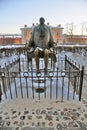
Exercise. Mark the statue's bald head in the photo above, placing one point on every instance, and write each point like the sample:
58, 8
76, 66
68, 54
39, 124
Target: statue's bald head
42, 20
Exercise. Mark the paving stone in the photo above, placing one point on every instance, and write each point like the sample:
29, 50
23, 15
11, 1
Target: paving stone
55, 113
64, 125
17, 128
49, 108
15, 122
74, 117
38, 124
73, 124
0, 112
33, 123
82, 125
33, 112
57, 119
38, 117
49, 117
66, 118
0, 117
50, 123
77, 114
74, 110
43, 112
2, 123
86, 105
26, 112
8, 123
62, 113
59, 126
14, 117
19, 113
29, 117
5, 113
13, 112
85, 115
21, 123
7, 117
43, 124
50, 112
82, 118
65, 109
22, 117
38, 111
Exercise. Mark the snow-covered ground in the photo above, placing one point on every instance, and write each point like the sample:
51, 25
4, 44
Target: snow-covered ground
7, 60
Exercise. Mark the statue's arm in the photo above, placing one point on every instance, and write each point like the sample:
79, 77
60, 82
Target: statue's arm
51, 42
31, 41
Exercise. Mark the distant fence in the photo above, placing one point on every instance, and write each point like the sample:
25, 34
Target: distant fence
21, 49
19, 80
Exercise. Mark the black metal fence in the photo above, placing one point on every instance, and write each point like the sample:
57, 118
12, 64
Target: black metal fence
18, 79
75, 74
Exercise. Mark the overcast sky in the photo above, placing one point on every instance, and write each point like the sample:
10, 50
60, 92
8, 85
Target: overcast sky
15, 13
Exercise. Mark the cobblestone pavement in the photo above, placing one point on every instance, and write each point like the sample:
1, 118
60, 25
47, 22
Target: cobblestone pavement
39, 115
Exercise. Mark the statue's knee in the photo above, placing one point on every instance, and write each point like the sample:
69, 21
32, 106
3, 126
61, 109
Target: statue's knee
36, 52
46, 52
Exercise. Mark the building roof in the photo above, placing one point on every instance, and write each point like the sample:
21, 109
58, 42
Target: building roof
27, 27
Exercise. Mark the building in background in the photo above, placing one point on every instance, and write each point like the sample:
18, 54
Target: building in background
75, 39
10, 39
27, 31
59, 37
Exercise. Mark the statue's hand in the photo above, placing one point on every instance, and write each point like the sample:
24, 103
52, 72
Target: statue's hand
26, 45
29, 48
51, 49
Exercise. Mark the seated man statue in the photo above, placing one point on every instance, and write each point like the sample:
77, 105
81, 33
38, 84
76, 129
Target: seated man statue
42, 40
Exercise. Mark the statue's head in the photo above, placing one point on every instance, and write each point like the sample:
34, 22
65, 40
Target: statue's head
42, 20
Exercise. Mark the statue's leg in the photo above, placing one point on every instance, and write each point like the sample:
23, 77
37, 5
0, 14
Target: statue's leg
36, 53
46, 56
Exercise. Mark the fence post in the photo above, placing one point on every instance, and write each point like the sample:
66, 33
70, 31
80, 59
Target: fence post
65, 61
81, 82
0, 93
19, 64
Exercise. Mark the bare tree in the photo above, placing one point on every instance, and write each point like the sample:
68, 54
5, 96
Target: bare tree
70, 28
83, 28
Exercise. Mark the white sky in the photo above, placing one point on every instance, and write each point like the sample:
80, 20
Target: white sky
15, 13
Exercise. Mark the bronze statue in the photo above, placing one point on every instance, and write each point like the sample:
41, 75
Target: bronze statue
42, 40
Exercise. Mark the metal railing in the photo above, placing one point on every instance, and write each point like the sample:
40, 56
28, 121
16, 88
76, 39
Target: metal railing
77, 72
19, 80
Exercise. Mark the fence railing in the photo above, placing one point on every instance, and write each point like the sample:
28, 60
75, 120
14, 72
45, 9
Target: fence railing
77, 72
19, 80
